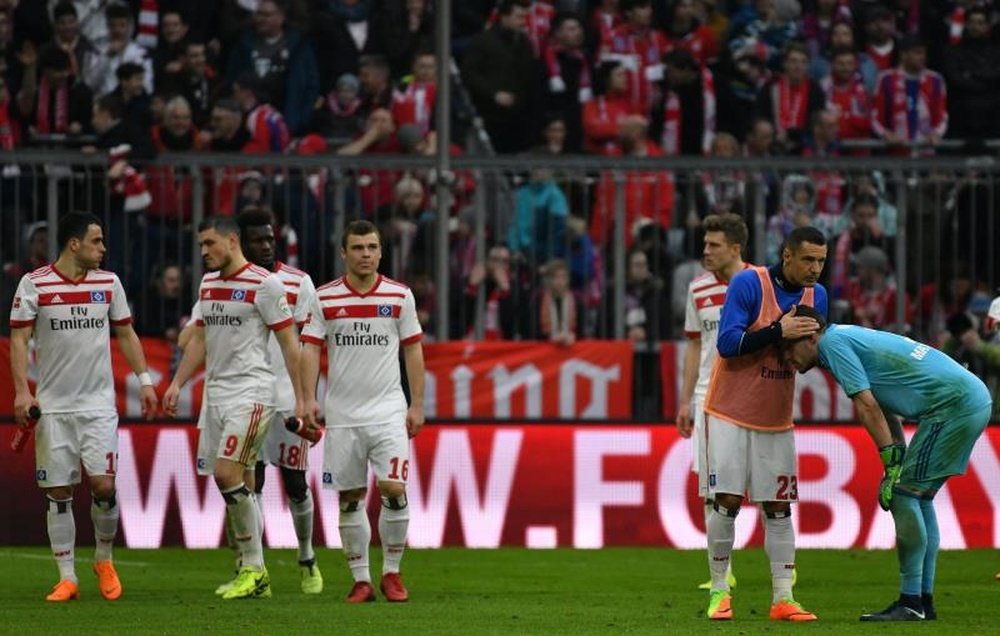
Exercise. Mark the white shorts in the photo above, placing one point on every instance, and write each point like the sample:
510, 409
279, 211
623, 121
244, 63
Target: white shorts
64, 440
284, 448
233, 432
756, 463
348, 452
699, 446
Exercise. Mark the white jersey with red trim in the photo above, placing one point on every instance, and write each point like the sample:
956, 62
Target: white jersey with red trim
238, 313
299, 292
363, 333
72, 338
705, 297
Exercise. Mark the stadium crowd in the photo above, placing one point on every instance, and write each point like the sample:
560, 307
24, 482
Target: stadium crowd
750, 78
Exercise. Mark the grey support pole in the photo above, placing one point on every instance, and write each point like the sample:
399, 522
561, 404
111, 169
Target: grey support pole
443, 124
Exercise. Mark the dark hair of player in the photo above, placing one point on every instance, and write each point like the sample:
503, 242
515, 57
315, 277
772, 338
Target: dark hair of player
805, 311
253, 216
74, 226
360, 227
222, 224
732, 225
807, 234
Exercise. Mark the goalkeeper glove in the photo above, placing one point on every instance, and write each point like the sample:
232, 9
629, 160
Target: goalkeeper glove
892, 461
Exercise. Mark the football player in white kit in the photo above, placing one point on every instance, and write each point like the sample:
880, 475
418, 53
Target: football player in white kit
725, 238
364, 319
286, 450
70, 308
239, 306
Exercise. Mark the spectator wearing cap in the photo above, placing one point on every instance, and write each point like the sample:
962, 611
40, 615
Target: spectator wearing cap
500, 74
51, 100
791, 98
120, 48
266, 126
338, 114
414, 101
569, 82
871, 294
911, 101
640, 49
66, 35
972, 69
603, 116
686, 117
197, 82
407, 27
282, 60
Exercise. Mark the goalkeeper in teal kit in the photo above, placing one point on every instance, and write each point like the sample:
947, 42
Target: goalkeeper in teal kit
887, 375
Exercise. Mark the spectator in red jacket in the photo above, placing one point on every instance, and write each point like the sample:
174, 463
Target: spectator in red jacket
640, 49
846, 94
603, 116
649, 195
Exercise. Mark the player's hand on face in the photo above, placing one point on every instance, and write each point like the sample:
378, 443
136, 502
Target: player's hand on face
22, 403
147, 398
170, 399
414, 421
794, 327
684, 420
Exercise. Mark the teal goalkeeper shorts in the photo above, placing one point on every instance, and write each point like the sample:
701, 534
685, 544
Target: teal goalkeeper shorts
939, 449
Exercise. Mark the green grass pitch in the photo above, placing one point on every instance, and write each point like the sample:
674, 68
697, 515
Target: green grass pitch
506, 591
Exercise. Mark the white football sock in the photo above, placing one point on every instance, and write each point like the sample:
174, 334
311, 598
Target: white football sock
721, 536
62, 536
355, 535
244, 515
104, 514
392, 526
302, 519
779, 544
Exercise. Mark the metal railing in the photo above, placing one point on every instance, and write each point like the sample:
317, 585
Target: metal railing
937, 219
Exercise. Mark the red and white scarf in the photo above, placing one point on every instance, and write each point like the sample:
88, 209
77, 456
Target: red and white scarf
792, 105
670, 140
61, 122
149, 24
342, 110
415, 105
556, 83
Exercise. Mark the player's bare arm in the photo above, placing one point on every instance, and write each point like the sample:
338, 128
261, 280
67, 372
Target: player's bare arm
308, 377
131, 348
414, 356
194, 357
691, 357
871, 415
23, 399
288, 338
